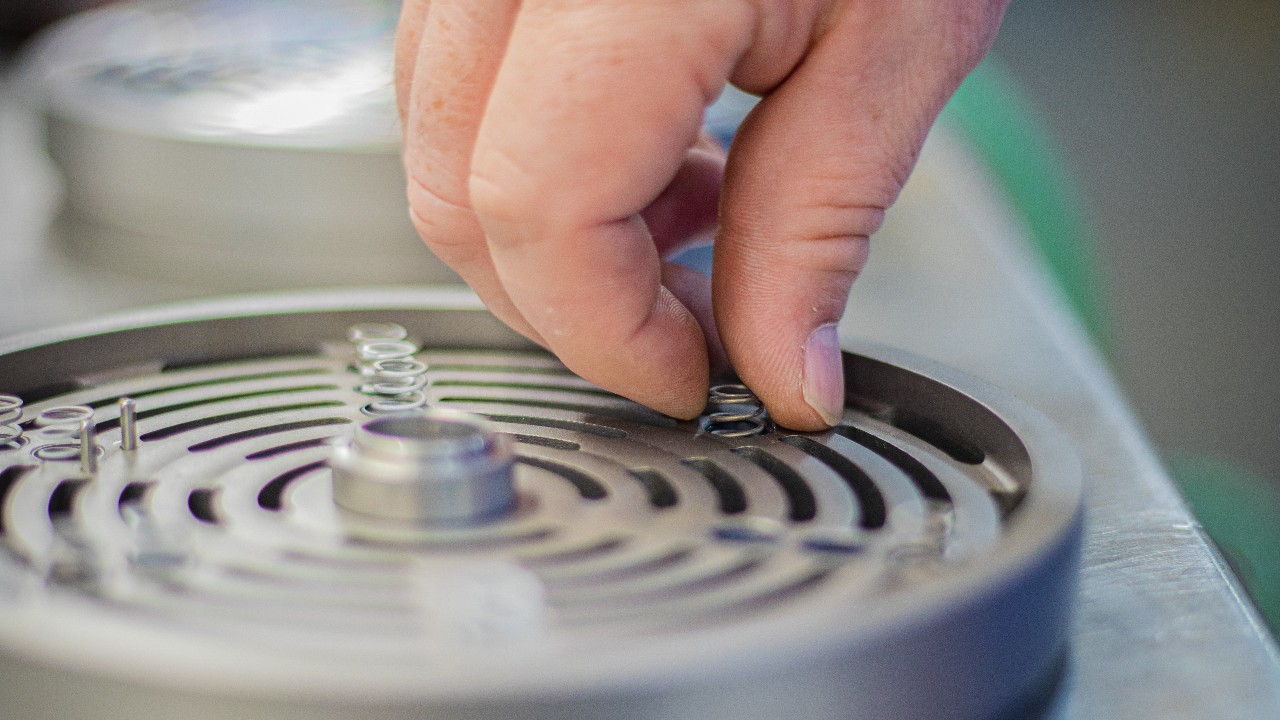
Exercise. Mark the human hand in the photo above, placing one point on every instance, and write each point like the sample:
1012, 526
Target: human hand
554, 160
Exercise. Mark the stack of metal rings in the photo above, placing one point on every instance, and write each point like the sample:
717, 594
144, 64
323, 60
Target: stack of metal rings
735, 411
387, 368
69, 432
10, 416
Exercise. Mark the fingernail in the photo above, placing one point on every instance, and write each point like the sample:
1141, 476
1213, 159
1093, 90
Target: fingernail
823, 382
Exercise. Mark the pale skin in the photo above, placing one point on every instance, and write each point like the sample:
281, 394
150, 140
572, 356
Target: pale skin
555, 162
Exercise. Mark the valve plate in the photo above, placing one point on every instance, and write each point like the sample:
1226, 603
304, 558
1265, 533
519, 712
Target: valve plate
917, 560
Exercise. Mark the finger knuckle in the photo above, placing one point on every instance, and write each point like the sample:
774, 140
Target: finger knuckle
502, 189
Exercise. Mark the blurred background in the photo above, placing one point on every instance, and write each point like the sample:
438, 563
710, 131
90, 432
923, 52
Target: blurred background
1164, 115
1167, 113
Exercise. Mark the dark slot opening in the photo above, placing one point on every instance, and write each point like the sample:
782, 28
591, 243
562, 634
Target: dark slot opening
781, 595
637, 415
645, 567
660, 491
732, 499
200, 502
258, 432
176, 365
499, 368
114, 423
133, 492
544, 441
206, 383
8, 478
868, 495
928, 483
706, 583
168, 432
940, 437
799, 495
576, 554
63, 497
286, 448
515, 385
588, 487
572, 425
272, 494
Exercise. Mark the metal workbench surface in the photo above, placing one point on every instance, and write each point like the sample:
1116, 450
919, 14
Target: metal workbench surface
1161, 629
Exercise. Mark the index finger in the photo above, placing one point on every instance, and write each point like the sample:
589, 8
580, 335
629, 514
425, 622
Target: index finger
588, 121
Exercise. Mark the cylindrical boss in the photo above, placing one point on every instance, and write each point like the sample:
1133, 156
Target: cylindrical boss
425, 466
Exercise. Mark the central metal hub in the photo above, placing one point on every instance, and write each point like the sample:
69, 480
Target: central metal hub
426, 466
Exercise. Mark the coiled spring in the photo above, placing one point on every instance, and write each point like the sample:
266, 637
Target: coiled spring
10, 415
735, 412
71, 430
388, 370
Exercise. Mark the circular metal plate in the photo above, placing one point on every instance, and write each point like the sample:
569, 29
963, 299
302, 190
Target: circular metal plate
915, 561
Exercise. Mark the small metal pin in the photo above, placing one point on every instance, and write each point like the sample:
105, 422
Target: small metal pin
128, 423
88, 448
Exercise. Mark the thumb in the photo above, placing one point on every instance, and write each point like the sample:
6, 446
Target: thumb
810, 175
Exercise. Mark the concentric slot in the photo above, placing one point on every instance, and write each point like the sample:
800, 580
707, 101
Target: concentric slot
870, 500
588, 487
712, 576
781, 594
62, 499
558, 424
936, 434
202, 503
475, 543
660, 491
733, 500
649, 566
928, 483
114, 423
627, 413
235, 437
575, 554
546, 442
133, 492
583, 389
228, 380
179, 428
287, 448
497, 367
271, 497
8, 478
803, 505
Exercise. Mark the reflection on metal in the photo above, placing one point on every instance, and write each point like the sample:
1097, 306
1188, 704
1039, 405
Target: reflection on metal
230, 145
735, 412
128, 409
425, 466
569, 545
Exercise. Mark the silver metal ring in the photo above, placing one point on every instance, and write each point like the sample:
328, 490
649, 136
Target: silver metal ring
374, 350
10, 408
376, 331
435, 465
396, 368
9, 433
397, 404
64, 415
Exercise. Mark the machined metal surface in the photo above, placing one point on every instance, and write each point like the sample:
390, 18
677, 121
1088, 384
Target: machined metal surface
1161, 628
918, 560
425, 465
194, 134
